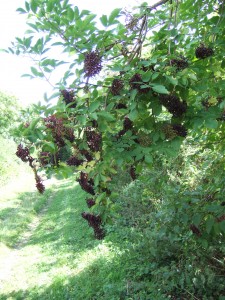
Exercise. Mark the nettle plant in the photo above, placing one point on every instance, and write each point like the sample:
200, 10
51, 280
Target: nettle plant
137, 83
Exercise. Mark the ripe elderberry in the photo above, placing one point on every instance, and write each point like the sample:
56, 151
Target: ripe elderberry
92, 64
116, 87
180, 130
69, 97
127, 125
133, 172
203, 52
86, 154
136, 83
86, 185
195, 230
95, 222
121, 106
180, 64
74, 161
90, 202
22, 153
44, 158
173, 104
94, 139
39, 185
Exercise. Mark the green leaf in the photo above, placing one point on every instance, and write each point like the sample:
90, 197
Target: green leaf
209, 224
27, 5
222, 226
148, 158
36, 73
211, 123
147, 76
197, 219
159, 89
94, 106
106, 115
34, 5
21, 10
114, 14
104, 21
172, 80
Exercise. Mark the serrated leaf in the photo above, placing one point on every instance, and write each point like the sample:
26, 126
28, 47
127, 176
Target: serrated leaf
106, 115
94, 106
104, 20
160, 89
172, 80
114, 14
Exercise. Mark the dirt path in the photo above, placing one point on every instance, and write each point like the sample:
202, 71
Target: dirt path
24, 239
12, 257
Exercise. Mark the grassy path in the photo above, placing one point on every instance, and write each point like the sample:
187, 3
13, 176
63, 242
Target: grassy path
56, 254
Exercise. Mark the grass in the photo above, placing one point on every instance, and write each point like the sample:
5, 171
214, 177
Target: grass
60, 259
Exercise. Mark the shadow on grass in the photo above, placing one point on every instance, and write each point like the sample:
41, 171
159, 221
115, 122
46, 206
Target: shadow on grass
103, 278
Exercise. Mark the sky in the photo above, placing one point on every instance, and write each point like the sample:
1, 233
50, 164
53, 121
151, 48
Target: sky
13, 24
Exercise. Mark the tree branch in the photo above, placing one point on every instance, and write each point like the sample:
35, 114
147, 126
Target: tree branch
157, 4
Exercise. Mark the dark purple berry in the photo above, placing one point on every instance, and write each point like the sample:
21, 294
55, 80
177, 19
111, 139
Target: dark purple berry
179, 64
195, 230
74, 161
22, 153
136, 83
94, 139
90, 202
69, 97
180, 130
92, 64
133, 172
116, 87
173, 104
203, 52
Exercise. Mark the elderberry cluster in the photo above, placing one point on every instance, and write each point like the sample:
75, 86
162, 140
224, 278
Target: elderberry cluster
90, 202
86, 184
69, 97
59, 131
203, 52
180, 130
180, 64
127, 125
94, 139
92, 64
39, 185
116, 87
86, 154
95, 222
136, 83
133, 172
173, 105
44, 158
23, 153
195, 230
74, 161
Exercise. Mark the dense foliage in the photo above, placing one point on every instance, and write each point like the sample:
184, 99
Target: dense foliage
137, 85
9, 113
